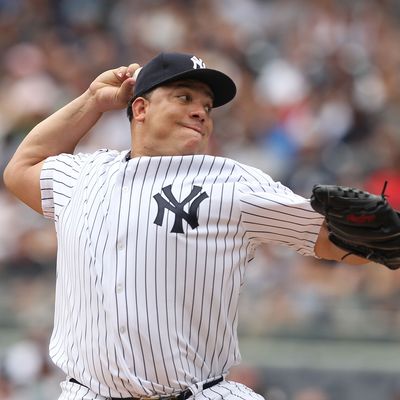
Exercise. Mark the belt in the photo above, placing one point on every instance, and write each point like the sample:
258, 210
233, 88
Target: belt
183, 395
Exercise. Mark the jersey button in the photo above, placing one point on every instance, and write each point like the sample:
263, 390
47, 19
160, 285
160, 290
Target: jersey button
120, 245
122, 329
120, 288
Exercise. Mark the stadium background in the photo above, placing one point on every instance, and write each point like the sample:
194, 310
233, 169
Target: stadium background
319, 97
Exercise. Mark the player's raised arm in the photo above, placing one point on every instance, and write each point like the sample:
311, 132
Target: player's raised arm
61, 132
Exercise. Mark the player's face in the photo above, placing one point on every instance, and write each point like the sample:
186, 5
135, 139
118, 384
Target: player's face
177, 120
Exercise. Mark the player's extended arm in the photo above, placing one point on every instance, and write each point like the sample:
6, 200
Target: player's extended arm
360, 223
61, 132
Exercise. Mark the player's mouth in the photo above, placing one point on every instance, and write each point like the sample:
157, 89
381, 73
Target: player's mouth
196, 128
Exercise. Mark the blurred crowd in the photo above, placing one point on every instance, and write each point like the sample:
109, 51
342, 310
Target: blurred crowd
318, 102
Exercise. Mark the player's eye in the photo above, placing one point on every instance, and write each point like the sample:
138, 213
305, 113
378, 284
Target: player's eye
184, 97
208, 109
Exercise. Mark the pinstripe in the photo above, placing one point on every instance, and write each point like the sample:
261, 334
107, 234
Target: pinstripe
216, 240
168, 383
101, 298
192, 367
117, 308
198, 269
147, 284
94, 300
187, 283
154, 285
228, 390
73, 279
137, 304
92, 310
83, 304
59, 171
107, 366
142, 310
304, 211
214, 272
177, 277
233, 280
203, 284
126, 267
305, 221
217, 335
191, 174
173, 368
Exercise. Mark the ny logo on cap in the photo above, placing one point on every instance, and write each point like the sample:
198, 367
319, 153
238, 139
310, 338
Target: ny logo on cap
198, 63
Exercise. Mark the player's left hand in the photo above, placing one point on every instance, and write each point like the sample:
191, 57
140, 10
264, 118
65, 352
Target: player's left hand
113, 89
359, 222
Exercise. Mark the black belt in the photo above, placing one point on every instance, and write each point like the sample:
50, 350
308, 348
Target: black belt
185, 394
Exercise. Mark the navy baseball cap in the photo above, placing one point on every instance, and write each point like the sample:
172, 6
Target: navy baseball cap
169, 67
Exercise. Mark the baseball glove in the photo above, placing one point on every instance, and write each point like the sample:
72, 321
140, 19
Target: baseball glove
359, 222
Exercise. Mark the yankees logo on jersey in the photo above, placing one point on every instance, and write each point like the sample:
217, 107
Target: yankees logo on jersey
144, 245
177, 208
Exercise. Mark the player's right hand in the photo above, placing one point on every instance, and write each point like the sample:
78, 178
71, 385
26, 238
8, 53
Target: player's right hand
112, 89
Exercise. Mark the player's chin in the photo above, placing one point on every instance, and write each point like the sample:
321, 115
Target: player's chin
195, 146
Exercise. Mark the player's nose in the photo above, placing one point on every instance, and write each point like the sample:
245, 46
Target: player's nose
198, 112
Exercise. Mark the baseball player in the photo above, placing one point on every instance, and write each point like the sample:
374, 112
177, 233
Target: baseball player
154, 241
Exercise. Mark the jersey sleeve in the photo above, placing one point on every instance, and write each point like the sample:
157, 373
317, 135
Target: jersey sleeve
58, 179
272, 213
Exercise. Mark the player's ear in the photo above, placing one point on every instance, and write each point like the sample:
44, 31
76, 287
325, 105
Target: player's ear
139, 108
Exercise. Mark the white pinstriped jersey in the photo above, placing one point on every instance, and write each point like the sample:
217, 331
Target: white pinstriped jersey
151, 260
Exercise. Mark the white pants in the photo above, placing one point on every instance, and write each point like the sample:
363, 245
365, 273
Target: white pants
224, 390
